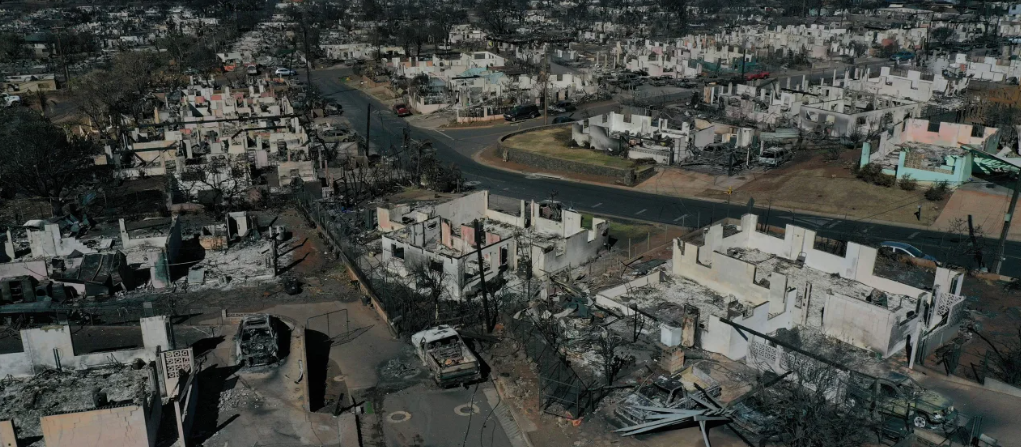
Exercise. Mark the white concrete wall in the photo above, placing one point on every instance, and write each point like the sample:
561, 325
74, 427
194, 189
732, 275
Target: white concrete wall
16, 364
45, 347
859, 323
35, 269
579, 248
465, 209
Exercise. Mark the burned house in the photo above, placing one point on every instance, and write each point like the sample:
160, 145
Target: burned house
66, 260
933, 151
739, 274
639, 136
68, 388
444, 239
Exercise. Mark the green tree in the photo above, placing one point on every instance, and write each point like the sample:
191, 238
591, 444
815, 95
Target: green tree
942, 35
41, 159
12, 47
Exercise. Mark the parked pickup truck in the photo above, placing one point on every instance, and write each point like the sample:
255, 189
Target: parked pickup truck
9, 100
447, 356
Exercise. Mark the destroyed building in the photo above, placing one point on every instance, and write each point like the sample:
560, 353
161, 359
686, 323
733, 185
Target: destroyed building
68, 259
68, 388
52, 265
205, 138
857, 115
638, 135
740, 274
933, 151
441, 238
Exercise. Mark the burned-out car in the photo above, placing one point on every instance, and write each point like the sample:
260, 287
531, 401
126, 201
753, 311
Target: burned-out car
901, 397
257, 342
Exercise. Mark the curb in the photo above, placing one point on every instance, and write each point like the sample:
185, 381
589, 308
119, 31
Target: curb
478, 159
514, 414
922, 371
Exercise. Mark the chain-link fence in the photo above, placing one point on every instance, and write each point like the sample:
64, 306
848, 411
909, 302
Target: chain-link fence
562, 392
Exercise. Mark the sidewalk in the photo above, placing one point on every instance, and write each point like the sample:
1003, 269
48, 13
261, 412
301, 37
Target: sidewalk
987, 208
999, 411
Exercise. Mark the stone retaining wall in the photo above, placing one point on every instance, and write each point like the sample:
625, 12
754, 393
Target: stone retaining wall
629, 177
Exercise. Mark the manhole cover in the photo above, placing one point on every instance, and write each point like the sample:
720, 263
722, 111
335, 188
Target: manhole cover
398, 417
466, 410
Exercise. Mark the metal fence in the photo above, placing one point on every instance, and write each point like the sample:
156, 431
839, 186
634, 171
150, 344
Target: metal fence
562, 392
948, 306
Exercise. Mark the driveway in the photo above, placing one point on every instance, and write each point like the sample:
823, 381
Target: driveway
424, 415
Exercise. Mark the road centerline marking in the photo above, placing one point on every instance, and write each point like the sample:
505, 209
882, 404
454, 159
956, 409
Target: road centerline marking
642, 211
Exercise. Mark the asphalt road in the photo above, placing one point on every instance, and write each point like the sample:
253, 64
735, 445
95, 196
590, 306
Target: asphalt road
457, 146
456, 417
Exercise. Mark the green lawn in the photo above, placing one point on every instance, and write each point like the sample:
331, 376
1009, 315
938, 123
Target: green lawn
553, 143
621, 229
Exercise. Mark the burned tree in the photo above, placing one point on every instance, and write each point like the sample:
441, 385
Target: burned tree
636, 323
612, 360
1003, 362
431, 281
963, 239
815, 404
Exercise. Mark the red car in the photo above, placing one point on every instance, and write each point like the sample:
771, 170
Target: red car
756, 75
402, 110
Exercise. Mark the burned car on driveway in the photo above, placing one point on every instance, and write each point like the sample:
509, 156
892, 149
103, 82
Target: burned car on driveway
900, 397
257, 342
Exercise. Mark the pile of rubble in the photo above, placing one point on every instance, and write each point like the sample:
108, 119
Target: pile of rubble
398, 369
239, 397
25, 401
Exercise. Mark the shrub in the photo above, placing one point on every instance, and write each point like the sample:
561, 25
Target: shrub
937, 191
907, 183
870, 172
885, 180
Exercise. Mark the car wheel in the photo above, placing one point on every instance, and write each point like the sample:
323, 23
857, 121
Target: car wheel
920, 421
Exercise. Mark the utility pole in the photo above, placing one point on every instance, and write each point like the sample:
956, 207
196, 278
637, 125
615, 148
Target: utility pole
368, 126
63, 59
545, 89
482, 274
1006, 224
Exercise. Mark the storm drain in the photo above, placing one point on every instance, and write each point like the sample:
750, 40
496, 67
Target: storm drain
466, 410
398, 417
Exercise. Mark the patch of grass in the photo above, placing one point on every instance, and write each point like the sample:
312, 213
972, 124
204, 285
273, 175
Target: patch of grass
621, 229
553, 143
586, 221
624, 230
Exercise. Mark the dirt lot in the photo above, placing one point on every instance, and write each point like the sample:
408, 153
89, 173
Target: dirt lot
812, 183
553, 143
995, 313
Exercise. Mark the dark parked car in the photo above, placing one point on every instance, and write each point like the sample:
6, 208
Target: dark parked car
562, 107
563, 119
402, 110
334, 108
686, 83
522, 113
